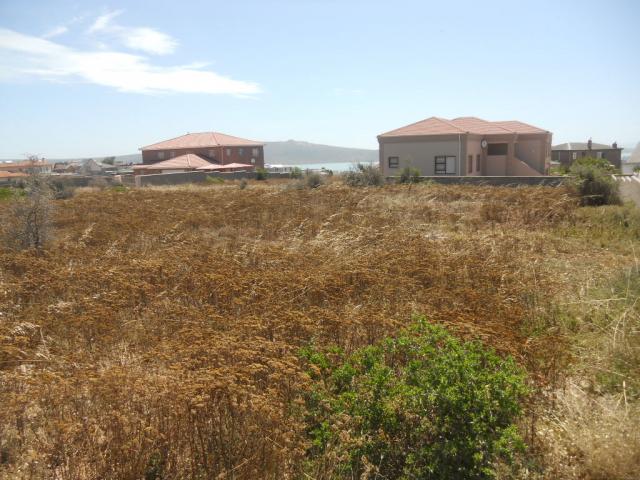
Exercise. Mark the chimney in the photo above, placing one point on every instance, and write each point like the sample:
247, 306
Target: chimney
589, 144
615, 145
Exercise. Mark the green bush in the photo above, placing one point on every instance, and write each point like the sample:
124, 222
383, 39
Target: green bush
594, 183
6, 193
409, 175
214, 180
261, 174
296, 173
363, 176
421, 405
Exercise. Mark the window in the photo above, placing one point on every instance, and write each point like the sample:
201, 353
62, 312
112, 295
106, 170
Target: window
394, 162
445, 165
497, 149
228, 152
212, 154
255, 152
574, 155
160, 155
241, 151
599, 155
253, 161
584, 154
470, 164
172, 154
478, 163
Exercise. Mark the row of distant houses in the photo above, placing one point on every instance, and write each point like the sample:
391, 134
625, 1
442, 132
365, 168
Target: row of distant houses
464, 146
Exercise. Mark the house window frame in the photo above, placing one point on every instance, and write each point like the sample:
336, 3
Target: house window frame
241, 152
443, 161
470, 163
160, 155
477, 162
574, 155
255, 152
227, 152
393, 162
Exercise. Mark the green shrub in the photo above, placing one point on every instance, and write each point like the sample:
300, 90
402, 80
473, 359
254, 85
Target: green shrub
243, 184
409, 175
261, 174
214, 180
296, 173
363, 176
120, 188
6, 193
594, 183
421, 405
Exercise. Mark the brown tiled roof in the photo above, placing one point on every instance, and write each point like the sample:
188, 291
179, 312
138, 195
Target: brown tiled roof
213, 166
23, 165
4, 174
582, 146
474, 125
202, 140
189, 160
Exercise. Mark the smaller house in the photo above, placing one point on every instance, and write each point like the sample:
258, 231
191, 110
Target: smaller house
567, 153
188, 162
8, 177
27, 166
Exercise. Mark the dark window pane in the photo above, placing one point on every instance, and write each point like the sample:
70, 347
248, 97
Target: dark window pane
497, 149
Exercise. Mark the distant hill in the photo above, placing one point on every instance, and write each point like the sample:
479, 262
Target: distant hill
293, 152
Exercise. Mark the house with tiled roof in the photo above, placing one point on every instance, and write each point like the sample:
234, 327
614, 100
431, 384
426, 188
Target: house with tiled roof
210, 147
466, 146
567, 153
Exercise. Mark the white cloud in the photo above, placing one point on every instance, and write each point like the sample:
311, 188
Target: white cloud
137, 38
55, 32
102, 22
28, 56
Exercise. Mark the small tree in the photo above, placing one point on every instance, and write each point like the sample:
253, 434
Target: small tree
261, 174
296, 173
594, 182
109, 160
28, 218
409, 175
363, 175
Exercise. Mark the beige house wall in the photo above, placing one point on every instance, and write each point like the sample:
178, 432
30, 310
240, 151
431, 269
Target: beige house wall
420, 154
474, 148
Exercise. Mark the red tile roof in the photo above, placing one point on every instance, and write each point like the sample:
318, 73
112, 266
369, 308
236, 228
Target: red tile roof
214, 166
477, 126
187, 161
202, 140
4, 174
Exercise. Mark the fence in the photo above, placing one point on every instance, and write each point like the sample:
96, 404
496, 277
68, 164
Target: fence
553, 181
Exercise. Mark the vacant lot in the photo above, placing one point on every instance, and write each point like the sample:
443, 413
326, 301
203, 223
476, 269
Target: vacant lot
158, 335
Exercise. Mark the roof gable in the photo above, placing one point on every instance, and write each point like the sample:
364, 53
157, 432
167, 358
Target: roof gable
202, 140
190, 160
473, 125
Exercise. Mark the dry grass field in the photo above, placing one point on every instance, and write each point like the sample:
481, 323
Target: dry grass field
158, 334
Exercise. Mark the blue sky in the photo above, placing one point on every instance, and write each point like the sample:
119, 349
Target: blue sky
85, 78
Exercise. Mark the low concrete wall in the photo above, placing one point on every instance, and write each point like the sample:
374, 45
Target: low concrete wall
197, 177
493, 180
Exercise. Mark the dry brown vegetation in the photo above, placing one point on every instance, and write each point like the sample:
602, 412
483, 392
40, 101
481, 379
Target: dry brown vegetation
158, 336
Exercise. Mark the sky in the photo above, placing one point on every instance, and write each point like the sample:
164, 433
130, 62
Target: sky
93, 78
